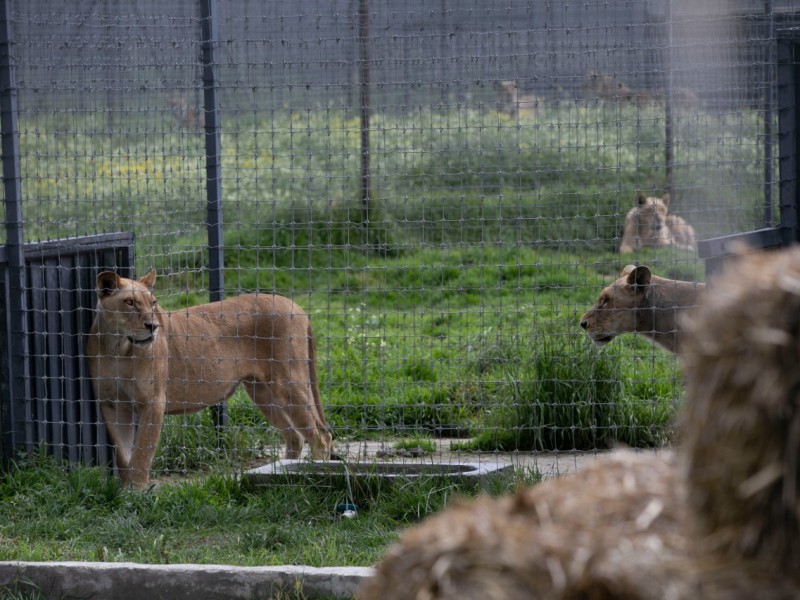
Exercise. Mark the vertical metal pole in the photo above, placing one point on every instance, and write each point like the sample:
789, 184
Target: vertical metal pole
669, 156
12, 407
216, 283
788, 139
768, 114
363, 46
213, 149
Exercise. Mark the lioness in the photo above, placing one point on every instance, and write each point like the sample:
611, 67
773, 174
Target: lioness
185, 116
146, 363
606, 87
513, 102
648, 224
643, 303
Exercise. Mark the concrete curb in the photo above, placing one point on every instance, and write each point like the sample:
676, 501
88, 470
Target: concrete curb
133, 581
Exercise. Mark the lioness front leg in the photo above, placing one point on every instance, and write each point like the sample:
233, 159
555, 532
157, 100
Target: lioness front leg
148, 433
121, 427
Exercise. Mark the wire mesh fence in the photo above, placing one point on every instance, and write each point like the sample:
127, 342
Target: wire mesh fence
442, 186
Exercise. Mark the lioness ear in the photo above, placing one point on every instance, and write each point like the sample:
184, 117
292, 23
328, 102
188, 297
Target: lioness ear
639, 276
641, 200
627, 269
107, 283
149, 280
666, 198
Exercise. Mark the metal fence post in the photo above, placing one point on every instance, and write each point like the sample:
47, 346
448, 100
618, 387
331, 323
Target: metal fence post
213, 149
788, 48
12, 401
669, 150
364, 76
769, 69
216, 283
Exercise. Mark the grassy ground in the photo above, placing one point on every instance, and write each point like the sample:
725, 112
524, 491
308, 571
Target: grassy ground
481, 344
509, 372
50, 513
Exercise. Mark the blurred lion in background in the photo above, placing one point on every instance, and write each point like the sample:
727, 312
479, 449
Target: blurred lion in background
650, 225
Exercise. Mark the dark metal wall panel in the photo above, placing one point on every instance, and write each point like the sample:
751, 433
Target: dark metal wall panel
61, 413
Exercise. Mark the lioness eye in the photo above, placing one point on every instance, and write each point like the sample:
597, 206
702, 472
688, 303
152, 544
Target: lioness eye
129, 302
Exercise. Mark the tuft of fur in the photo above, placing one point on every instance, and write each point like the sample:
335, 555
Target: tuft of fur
741, 425
613, 530
720, 522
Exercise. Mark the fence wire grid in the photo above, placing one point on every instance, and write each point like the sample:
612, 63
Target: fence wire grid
442, 186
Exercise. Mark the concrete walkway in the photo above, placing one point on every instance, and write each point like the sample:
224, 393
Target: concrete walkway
129, 581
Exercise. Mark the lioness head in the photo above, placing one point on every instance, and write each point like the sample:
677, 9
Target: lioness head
615, 309
650, 220
128, 307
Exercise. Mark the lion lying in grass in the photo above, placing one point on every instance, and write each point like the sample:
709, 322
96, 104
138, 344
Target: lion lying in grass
513, 102
650, 225
643, 303
146, 363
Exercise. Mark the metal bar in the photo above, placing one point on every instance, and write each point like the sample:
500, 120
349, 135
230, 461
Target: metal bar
41, 250
216, 283
86, 421
68, 277
54, 350
768, 115
364, 75
788, 74
11, 407
36, 408
209, 40
669, 149
770, 237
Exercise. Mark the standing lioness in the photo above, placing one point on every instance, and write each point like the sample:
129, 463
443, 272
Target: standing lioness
146, 363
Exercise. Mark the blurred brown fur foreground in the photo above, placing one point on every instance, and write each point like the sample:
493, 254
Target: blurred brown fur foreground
720, 521
595, 534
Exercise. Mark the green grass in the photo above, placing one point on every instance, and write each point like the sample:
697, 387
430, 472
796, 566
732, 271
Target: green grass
438, 176
478, 343
481, 344
50, 513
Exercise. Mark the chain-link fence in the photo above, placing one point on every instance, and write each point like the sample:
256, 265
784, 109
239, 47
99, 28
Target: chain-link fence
442, 186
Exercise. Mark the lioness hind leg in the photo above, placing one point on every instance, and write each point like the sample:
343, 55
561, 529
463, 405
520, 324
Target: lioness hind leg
261, 395
302, 410
321, 441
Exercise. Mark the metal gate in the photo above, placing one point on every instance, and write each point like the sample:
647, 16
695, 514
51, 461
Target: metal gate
55, 408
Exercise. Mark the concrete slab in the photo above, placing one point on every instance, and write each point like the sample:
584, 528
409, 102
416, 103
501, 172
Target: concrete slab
130, 581
345, 473
547, 464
